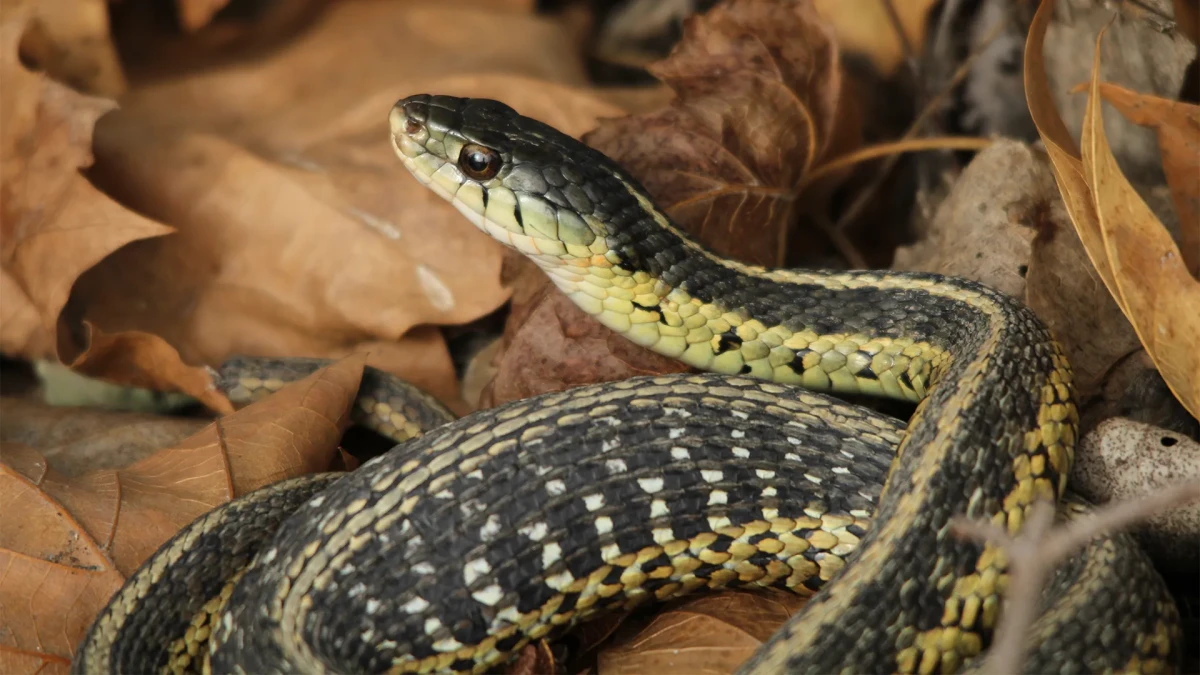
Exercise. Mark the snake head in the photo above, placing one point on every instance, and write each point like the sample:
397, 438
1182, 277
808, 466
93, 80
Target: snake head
523, 182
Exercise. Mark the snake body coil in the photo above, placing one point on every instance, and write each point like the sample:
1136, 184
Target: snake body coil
457, 548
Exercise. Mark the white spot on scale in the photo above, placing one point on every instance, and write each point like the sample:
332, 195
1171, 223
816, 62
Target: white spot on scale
663, 535
477, 474
610, 553
357, 590
741, 452
447, 645
551, 553
765, 474
475, 569
711, 475
491, 528
609, 420
593, 501
561, 580
603, 525
607, 445
423, 568
737, 433
792, 457
768, 491
270, 555
680, 412
555, 487
438, 293
770, 513
717, 522
680, 453
793, 441
675, 433
847, 454
651, 485
432, 625
316, 501
841, 470
615, 466
718, 497
543, 470
443, 494
812, 479
416, 605
489, 596
740, 415
535, 531
658, 508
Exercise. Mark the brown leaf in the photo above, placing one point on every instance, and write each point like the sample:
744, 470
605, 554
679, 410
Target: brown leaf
77, 440
299, 233
54, 224
534, 659
1157, 292
758, 87
1061, 147
69, 40
1187, 18
1178, 127
710, 635
56, 576
142, 360
1130, 249
867, 28
66, 544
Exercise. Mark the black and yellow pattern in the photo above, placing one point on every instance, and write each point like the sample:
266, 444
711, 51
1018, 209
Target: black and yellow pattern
453, 550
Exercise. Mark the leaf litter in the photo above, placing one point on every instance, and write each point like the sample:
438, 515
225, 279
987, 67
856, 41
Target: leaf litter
68, 543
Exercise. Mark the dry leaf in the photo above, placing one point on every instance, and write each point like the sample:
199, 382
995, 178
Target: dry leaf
1178, 127
142, 360
1157, 293
863, 26
534, 659
1131, 250
70, 41
711, 635
56, 575
67, 544
299, 233
758, 86
77, 440
55, 224
1187, 18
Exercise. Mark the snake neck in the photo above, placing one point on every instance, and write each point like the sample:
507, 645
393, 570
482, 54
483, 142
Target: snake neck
992, 386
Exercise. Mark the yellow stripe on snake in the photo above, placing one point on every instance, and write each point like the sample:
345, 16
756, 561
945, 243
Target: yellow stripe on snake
454, 550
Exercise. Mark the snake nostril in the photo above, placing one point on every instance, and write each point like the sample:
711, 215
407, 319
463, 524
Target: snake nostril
411, 126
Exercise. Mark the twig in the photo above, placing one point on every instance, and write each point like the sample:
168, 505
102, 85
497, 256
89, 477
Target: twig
868, 193
1039, 548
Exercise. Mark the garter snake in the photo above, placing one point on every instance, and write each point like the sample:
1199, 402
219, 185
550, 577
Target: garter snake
457, 548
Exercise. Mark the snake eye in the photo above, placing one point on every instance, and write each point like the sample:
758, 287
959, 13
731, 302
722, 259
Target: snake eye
478, 162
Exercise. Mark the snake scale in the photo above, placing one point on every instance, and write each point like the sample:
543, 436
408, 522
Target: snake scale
455, 549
